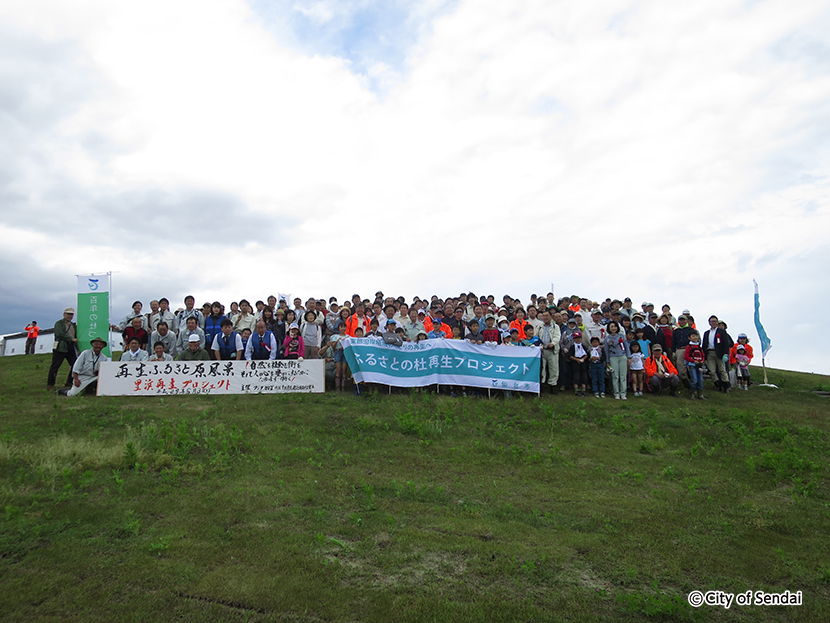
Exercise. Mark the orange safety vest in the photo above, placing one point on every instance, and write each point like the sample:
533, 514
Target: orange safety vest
520, 326
428, 325
651, 366
734, 351
31, 331
352, 323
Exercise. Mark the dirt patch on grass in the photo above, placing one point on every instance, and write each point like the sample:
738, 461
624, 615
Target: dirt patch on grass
414, 569
581, 574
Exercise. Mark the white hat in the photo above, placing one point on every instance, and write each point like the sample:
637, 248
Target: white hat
69, 310
194, 338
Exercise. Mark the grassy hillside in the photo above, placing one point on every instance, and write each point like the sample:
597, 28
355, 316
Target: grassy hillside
412, 508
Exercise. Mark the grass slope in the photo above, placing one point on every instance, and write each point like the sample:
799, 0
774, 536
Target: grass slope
412, 508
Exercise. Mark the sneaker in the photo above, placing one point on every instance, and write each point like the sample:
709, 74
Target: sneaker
596, 395
602, 395
624, 397
616, 397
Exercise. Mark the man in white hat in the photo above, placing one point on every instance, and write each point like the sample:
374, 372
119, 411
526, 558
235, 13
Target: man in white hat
85, 370
66, 340
190, 328
194, 350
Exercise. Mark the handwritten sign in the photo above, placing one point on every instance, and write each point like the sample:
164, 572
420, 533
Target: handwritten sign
176, 378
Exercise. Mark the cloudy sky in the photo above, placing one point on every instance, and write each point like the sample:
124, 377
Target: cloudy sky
668, 152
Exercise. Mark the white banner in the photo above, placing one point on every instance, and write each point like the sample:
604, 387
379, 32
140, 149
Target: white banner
173, 378
93, 283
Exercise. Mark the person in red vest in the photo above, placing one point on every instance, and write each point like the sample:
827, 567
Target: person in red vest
31, 337
358, 319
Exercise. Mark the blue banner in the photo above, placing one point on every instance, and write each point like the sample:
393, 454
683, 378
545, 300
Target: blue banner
766, 344
443, 362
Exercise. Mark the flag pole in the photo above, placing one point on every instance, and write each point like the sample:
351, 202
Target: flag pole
766, 343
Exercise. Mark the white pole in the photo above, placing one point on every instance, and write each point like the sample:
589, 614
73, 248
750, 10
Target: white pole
766, 382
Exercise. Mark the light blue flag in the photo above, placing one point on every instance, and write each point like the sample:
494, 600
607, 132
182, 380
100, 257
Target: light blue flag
762, 335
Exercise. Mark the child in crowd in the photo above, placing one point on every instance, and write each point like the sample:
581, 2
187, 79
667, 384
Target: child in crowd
742, 360
312, 334
437, 329
246, 335
373, 328
422, 335
280, 327
645, 345
597, 366
637, 368
491, 333
456, 332
508, 339
340, 365
474, 336
530, 338
358, 387
743, 341
293, 346
694, 358
578, 359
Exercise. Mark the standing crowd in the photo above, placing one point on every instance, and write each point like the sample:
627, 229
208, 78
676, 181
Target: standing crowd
586, 346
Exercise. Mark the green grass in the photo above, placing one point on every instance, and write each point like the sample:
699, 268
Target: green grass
412, 508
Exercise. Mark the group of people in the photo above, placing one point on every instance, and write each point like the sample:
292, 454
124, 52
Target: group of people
587, 346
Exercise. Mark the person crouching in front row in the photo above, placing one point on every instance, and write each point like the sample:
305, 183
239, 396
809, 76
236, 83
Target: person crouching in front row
85, 369
660, 372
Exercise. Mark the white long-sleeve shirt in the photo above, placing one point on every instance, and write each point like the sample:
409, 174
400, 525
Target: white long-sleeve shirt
87, 363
